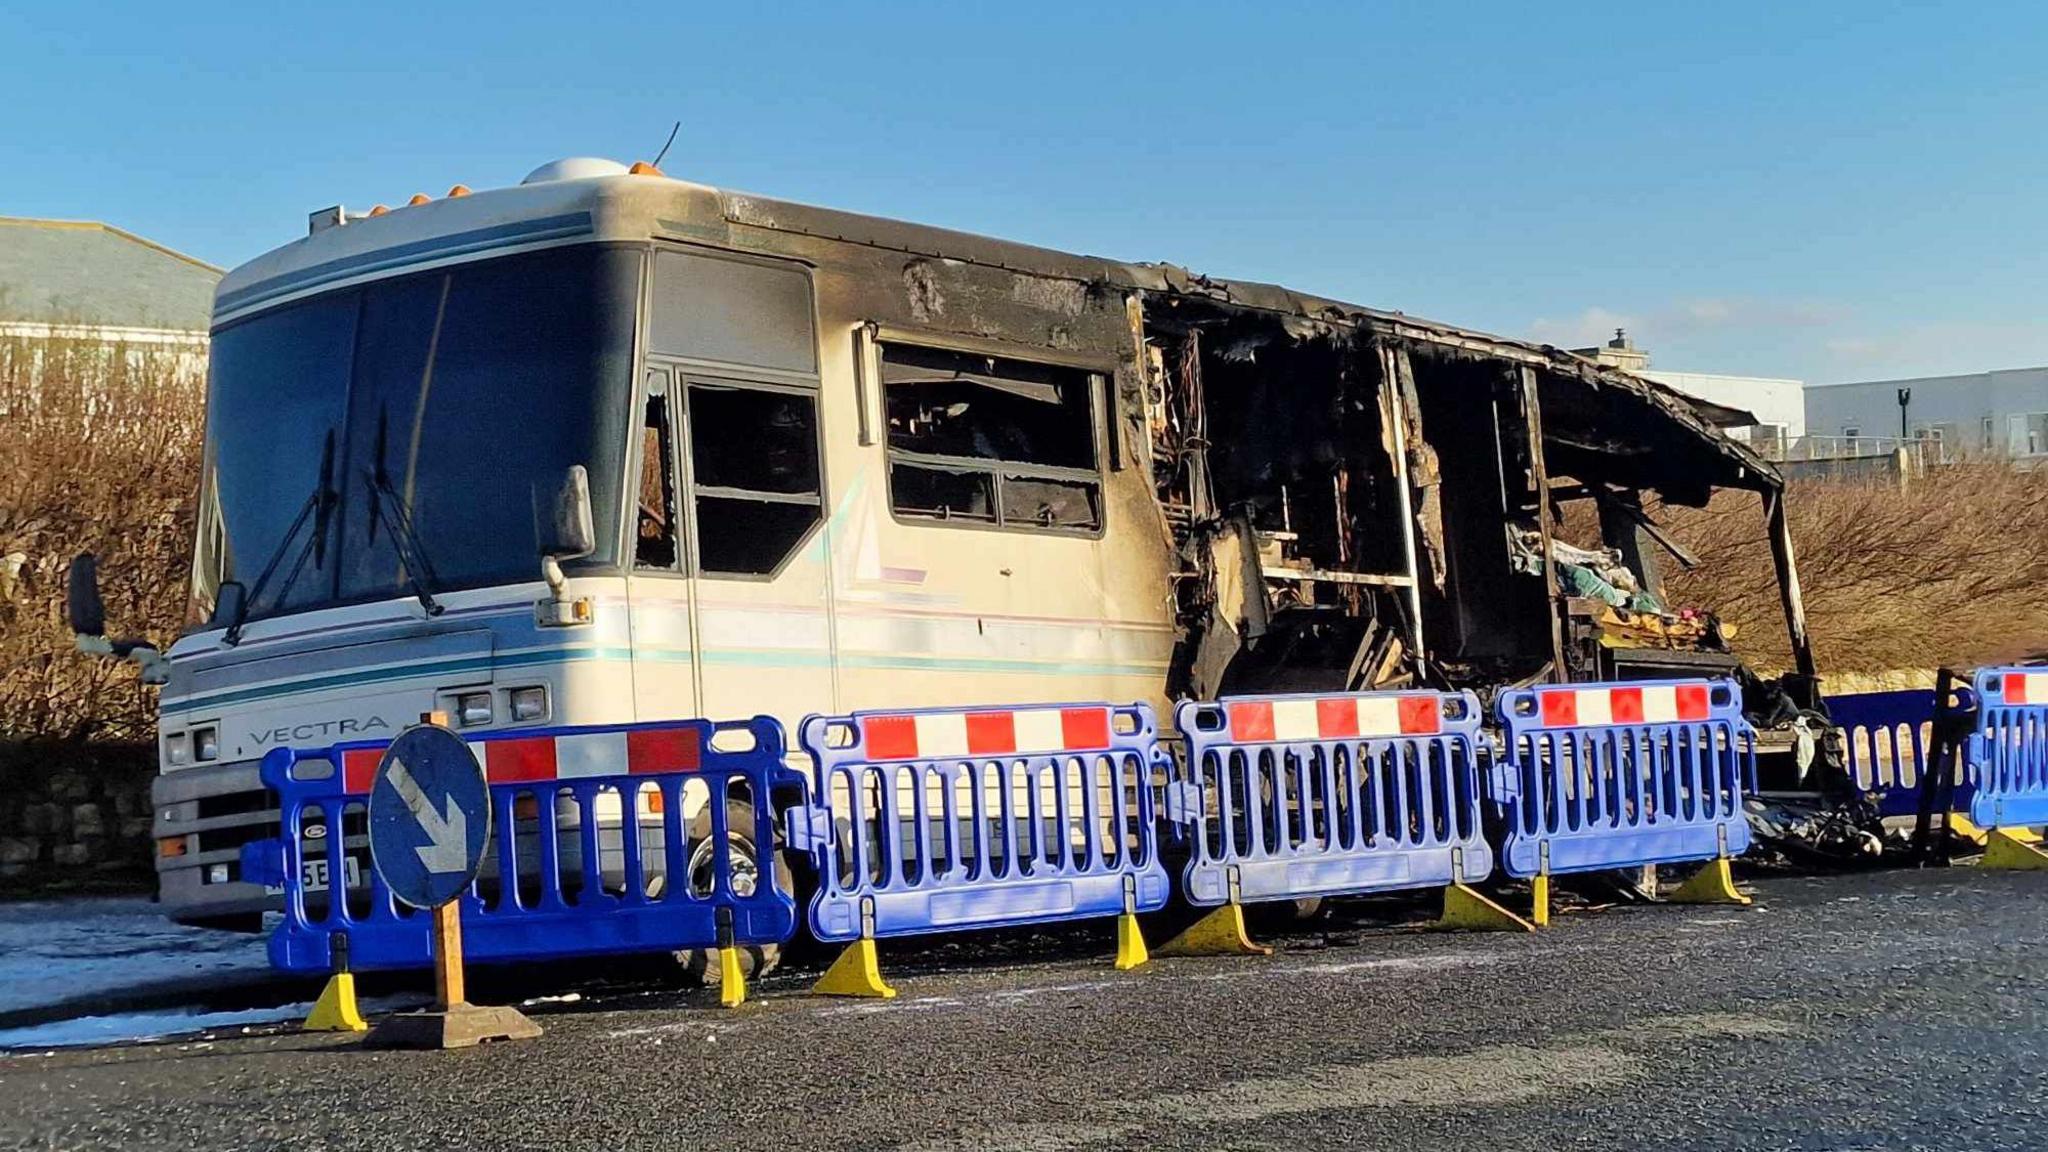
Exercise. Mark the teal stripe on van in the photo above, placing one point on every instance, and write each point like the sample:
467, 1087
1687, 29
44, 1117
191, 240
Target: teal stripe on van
736, 658
410, 671
769, 658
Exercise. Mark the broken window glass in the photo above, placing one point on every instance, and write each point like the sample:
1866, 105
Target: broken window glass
982, 439
754, 476
1048, 503
942, 493
654, 544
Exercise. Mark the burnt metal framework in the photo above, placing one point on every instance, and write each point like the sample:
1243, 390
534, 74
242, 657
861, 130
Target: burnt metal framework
1336, 476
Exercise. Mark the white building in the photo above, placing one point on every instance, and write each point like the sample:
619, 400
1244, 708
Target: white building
1765, 411
1997, 413
85, 283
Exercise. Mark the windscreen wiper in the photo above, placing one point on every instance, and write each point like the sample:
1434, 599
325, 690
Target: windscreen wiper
318, 508
405, 539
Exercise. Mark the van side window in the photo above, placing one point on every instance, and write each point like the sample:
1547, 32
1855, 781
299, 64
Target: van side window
753, 476
988, 440
654, 538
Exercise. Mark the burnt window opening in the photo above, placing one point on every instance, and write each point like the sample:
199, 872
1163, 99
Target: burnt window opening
987, 440
1484, 615
1283, 428
942, 493
754, 486
654, 538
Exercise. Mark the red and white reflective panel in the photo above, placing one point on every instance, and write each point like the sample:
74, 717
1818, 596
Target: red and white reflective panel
2026, 687
515, 760
1008, 732
1635, 704
1333, 718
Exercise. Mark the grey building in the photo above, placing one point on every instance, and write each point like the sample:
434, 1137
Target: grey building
81, 279
2002, 413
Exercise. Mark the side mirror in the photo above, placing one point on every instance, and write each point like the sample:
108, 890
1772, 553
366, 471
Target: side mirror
565, 531
88, 617
82, 601
562, 528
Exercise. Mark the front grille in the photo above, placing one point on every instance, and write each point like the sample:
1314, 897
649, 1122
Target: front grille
237, 803
229, 839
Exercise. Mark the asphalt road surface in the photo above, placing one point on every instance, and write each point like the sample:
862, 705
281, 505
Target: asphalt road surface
1881, 1011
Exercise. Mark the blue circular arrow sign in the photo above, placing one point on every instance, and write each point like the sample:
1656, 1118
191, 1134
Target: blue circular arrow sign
430, 816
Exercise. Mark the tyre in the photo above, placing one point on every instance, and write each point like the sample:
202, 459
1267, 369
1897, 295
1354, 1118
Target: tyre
701, 964
1306, 908
1284, 915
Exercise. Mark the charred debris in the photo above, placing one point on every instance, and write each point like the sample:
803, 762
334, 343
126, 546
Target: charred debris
1364, 500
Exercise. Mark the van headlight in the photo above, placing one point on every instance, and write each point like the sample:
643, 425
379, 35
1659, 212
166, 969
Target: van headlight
205, 744
473, 709
529, 704
177, 748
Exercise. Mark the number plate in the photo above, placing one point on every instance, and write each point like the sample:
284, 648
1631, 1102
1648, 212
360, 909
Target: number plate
313, 873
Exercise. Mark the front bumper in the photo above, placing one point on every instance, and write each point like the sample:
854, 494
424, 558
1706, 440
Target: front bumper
213, 811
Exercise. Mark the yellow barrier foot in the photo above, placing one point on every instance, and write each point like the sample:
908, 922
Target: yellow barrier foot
1713, 884
1465, 910
335, 1011
857, 972
1539, 901
1130, 943
2004, 851
1220, 933
732, 978
1962, 826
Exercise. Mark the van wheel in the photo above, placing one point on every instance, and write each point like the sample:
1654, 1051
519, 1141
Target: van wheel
1284, 915
1307, 908
701, 964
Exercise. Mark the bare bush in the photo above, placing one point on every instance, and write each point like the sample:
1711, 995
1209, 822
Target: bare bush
101, 448
1947, 570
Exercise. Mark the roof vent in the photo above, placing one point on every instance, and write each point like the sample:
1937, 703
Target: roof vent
574, 168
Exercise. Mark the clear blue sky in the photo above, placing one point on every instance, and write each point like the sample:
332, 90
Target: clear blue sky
1829, 191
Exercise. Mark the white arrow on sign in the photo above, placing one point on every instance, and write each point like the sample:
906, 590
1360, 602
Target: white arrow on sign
447, 847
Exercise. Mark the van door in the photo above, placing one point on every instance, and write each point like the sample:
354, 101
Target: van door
665, 685
764, 633
738, 335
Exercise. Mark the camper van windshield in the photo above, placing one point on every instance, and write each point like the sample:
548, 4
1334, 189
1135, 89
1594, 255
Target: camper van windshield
450, 396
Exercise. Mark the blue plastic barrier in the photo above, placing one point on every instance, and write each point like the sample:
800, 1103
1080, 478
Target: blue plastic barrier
1887, 741
1327, 795
2008, 753
1620, 775
951, 819
561, 876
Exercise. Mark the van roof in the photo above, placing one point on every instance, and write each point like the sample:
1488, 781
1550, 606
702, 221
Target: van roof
637, 206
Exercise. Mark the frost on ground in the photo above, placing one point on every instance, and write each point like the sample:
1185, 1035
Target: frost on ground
52, 951
128, 1026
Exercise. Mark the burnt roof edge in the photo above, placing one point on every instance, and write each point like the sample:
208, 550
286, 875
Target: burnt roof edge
1400, 326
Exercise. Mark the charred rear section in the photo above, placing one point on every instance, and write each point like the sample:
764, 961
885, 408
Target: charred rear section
1363, 500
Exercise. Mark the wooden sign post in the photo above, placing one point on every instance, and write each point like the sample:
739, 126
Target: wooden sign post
430, 821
